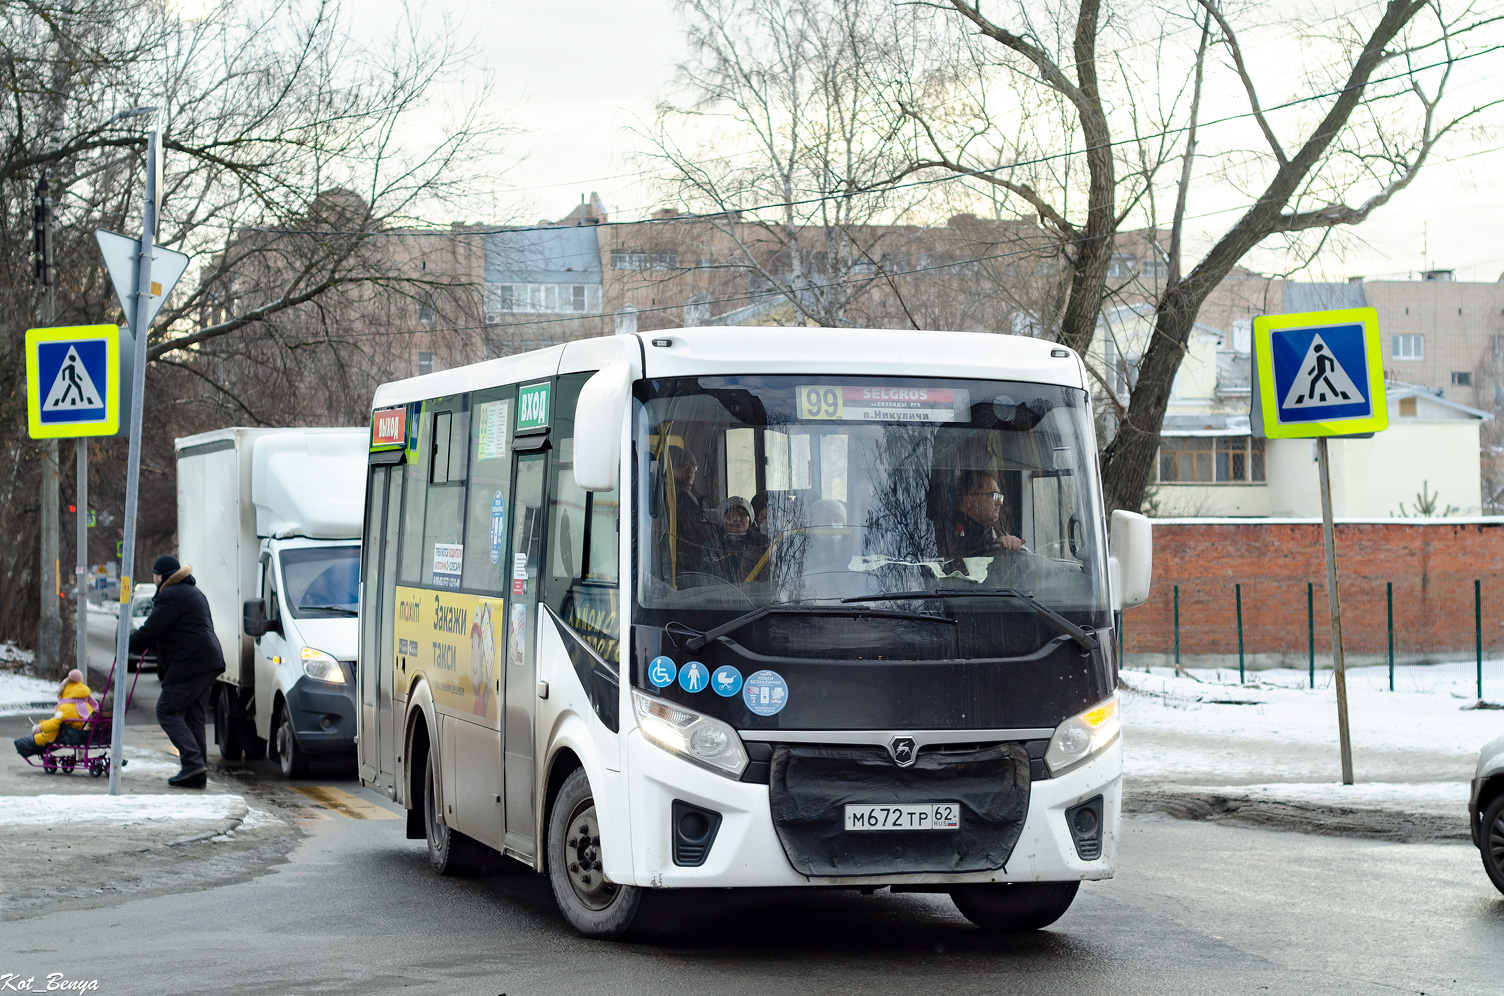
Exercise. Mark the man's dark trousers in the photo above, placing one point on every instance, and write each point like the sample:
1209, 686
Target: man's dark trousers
180, 713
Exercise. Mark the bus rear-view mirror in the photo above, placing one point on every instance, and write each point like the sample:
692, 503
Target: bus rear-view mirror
597, 427
1131, 559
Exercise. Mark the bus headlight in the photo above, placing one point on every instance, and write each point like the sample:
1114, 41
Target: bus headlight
1084, 736
321, 667
691, 735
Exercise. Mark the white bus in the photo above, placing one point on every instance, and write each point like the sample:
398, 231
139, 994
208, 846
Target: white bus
735, 607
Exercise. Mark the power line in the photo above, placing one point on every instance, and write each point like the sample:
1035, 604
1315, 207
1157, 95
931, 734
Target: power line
822, 198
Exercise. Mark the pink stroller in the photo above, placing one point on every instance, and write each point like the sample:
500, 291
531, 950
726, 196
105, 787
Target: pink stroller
86, 746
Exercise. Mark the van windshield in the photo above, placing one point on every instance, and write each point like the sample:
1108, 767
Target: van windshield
321, 582
807, 490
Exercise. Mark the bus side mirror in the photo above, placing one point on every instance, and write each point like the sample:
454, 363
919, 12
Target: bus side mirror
597, 427
1131, 559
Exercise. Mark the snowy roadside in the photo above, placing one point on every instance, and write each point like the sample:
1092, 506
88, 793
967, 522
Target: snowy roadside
1269, 746
21, 694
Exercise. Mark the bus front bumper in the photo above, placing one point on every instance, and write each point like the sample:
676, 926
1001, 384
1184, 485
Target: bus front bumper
747, 852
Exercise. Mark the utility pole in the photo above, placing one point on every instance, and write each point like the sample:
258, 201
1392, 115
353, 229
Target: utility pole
49, 623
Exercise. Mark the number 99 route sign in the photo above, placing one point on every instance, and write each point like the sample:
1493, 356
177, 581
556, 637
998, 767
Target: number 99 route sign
1318, 373
73, 381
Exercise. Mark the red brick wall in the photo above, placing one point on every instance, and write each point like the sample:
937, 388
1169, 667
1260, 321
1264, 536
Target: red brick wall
1432, 566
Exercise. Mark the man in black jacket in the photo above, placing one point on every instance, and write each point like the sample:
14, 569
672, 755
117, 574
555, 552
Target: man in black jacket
189, 659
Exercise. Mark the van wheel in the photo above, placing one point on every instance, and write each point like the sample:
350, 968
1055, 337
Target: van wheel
1014, 907
227, 729
293, 759
449, 851
594, 907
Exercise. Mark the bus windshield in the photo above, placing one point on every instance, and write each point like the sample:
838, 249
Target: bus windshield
821, 490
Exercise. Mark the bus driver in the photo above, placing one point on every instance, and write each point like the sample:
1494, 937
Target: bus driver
979, 532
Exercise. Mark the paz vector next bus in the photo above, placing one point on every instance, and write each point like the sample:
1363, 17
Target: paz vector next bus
732, 607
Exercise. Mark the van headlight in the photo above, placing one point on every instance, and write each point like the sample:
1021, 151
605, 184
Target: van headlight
321, 667
693, 736
1083, 736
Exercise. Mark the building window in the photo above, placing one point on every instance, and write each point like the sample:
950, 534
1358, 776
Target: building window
631, 259
1156, 268
558, 298
1409, 347
425, 309
1122, 265
425, 363
1211, 459
1462, 378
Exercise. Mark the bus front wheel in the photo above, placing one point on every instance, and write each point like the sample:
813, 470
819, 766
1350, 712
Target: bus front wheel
1014, 907
593, 906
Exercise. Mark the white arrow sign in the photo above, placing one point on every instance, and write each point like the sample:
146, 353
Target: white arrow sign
122, 256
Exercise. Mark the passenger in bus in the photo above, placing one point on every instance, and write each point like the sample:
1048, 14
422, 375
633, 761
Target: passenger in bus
978, 525
735, 553
692, 532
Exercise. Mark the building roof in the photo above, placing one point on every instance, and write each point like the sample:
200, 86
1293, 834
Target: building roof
566, 255
1434, 397
1323, 297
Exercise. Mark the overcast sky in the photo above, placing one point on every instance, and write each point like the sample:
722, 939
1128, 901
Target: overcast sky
579, 74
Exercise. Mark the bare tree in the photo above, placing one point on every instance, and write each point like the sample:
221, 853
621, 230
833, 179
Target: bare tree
1373, 113
265, 109
787, 121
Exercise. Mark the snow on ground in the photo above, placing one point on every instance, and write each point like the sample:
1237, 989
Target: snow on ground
21, 694
117, 810
1275, 738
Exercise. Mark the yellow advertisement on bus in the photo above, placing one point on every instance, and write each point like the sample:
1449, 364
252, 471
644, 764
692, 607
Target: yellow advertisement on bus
455, 642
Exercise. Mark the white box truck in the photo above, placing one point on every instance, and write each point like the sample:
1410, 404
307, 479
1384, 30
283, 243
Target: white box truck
270, 520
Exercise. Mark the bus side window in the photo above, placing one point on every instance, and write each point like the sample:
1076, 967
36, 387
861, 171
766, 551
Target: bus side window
490, 473
582, 537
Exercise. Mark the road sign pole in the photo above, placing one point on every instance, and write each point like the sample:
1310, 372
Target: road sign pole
81, 532
1335, 603
140, 326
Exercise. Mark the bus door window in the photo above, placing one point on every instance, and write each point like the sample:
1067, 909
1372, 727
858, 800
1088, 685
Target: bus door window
414, 496
443, 520
486, 518
520, 697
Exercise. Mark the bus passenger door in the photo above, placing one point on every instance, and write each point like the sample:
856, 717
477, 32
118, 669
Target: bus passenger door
521, 671
374, 665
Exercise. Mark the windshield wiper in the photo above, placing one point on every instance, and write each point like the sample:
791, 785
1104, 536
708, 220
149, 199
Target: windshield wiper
1081, 636
343, 610
697, 639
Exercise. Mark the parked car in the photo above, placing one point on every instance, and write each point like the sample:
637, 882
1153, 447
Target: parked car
1485, 810
142, 597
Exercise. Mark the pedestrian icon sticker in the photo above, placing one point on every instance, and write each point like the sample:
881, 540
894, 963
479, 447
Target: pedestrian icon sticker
693, 676
1321, 380
73, 389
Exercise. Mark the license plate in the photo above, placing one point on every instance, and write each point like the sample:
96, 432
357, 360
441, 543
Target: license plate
910, 816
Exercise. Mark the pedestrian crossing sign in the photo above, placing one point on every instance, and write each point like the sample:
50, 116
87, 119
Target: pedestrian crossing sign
1318, 373
73, 381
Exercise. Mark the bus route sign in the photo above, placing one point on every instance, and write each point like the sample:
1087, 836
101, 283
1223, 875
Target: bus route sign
73, 381
1318, 373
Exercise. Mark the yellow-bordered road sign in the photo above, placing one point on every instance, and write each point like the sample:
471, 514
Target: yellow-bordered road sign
73, 381
1318, 373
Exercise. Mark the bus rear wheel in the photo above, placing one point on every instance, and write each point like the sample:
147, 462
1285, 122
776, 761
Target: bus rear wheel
449, 851
1014, 907
593, 906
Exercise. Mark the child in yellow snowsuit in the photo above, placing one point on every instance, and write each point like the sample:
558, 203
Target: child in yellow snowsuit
75, 704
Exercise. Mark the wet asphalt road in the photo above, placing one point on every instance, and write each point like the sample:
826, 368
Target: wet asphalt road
1197, 908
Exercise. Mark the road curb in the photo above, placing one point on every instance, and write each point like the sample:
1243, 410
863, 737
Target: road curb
1299, 817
